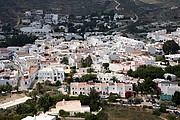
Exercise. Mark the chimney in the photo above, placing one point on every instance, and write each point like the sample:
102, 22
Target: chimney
63, 102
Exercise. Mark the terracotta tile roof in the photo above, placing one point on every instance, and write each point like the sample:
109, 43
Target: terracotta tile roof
49, 61
32, 69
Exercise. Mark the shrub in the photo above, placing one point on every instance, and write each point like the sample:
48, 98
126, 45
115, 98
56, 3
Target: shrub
157, 112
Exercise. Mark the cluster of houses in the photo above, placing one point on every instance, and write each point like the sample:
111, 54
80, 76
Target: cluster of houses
52, 56
43, 60
84, 88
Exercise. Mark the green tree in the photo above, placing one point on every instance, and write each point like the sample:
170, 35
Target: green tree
129, 73
135, 89
84, 99
149, 85
90, 70
172, 117
17, 40
46, 47
162, 109
28, 107
63, 113
176, 98
94, 100
105, 65
178, 83
114, 79
148, 71
173, 70
48, 83
156, 112
170, 47
169, 77
90, 117
102, 116
89, 77
160, 58
65, 60
39, 88
45, 102
112, 98
58, 83
16, 88
87, 62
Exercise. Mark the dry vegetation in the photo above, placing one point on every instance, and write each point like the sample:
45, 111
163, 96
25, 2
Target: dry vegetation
150, 1
11, 97
116, 113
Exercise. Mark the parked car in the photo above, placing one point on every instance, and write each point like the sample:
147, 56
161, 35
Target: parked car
172, 107
177, 113
156, 105
147, 100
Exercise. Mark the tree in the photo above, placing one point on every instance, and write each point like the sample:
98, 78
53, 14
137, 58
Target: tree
114, 79
112, 98
28, 107
16, 88
148, 71
176, 98
45, 102
149, 85
178, 83
170, 47
94, 100
135, 89
173, 70
18, 40
172, 117
58, 83
84, 99
90, 117
162, 109
169, 77
86, 62
63, 113
89, 77
129, 73
39, 88
65, 60
105, 65
156, 112
48, 83
46, 47
102, 116
90, 70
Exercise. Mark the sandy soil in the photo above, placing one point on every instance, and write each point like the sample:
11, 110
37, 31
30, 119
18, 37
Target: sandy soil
10, 97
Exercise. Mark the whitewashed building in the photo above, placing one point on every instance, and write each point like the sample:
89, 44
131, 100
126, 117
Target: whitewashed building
73, 106
40, 117
103, 88
51, 73
168, 87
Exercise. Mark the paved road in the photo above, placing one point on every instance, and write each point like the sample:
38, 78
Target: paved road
118, 4
14, 102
